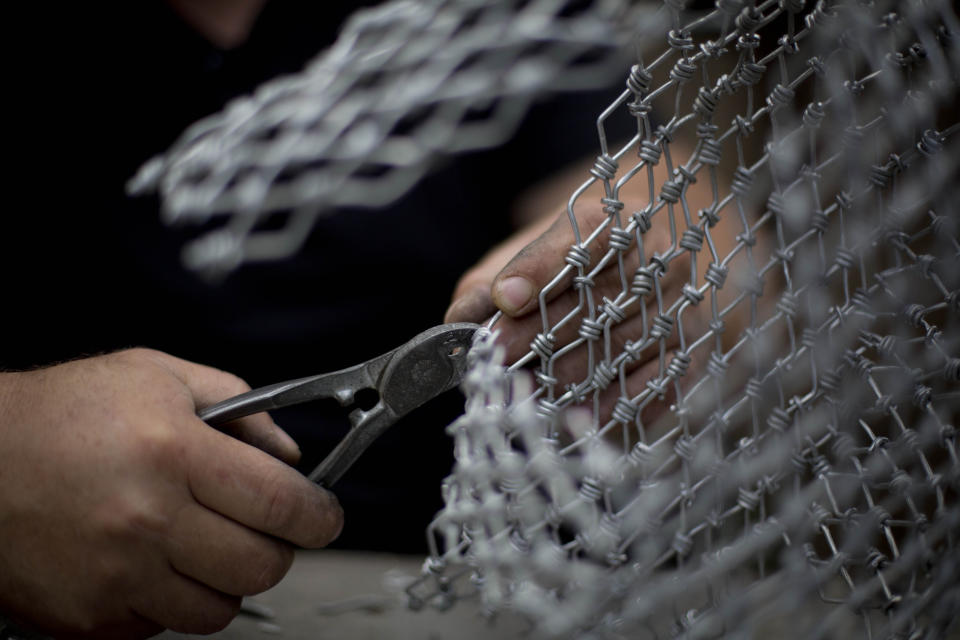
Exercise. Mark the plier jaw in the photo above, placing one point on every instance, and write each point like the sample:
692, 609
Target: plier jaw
432, 362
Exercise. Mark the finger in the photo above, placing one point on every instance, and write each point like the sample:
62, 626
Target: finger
246, 485
516, 286
260, 431
182, 604
225, 555
209, 386
471, 300
610, 283
572, 368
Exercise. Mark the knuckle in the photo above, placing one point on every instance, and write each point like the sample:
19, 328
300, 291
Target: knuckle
127, 517
234, 383
157, 445
137, 356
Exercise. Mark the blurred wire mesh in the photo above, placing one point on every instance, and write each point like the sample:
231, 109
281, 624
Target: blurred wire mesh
748, 406
406, 84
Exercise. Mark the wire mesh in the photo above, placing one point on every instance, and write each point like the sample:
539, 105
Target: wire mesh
742, 454
405, 84
741, 398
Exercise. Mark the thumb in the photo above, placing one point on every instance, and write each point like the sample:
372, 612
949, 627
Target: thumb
472, 300
515, 288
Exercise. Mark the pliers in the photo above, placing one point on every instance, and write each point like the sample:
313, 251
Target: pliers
404, 378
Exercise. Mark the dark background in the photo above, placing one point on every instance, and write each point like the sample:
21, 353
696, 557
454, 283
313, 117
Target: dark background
96, 92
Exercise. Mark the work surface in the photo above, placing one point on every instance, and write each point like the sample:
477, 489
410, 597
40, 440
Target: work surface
336, 594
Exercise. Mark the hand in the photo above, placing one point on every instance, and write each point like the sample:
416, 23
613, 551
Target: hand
511, 277
122, 513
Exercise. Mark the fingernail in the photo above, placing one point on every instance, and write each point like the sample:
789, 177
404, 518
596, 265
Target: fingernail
475, 306
514, 293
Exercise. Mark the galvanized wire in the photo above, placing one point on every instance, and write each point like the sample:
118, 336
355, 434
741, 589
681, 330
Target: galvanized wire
405, 84
808, 461
747, 406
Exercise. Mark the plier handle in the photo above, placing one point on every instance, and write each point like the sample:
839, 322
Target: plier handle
404, 378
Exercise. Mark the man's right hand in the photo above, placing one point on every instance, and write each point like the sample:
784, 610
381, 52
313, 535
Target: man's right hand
122, 513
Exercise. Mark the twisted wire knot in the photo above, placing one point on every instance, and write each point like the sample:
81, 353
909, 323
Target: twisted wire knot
640, 455
578, 256
614, 311
816, 65
680, 40
748, 20
779, 419
692, 295
744, 126
642, 283
624, 411
750, 73
780, 96
604, 168
620, 239
591, 489
819, 16
678, 365
788, 305
649, 152
692, 239
662, 327
705, 104
682, 71
710, 215
611, 205
748, 500
846, 258
717, 365
881, 175
543, 345
544, 379
813, 115
931, 142
682, 544
671, 191
914, 314
844, 200
710, 151
590, 330
639, 80
742, 182
951, 371
639, 109
583, 282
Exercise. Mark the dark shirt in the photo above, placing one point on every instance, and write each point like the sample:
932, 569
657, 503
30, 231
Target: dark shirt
89, 269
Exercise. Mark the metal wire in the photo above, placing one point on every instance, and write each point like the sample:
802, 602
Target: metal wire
405, 84
807, 459
748, 403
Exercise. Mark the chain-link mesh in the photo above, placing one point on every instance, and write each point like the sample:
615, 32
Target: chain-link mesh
404, 85
790, 440
742, 399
